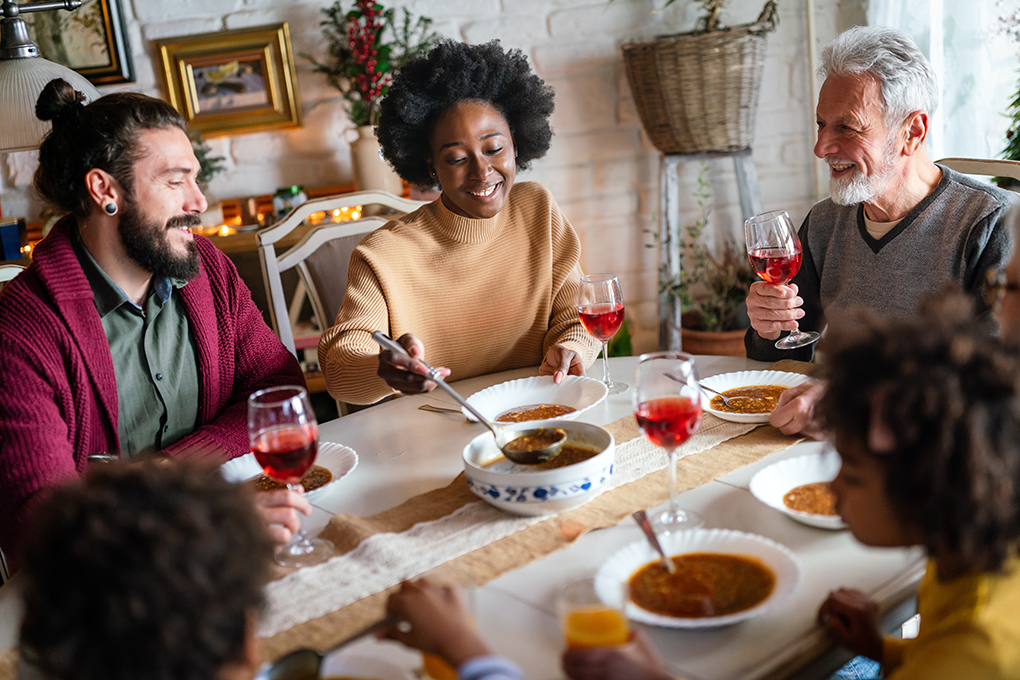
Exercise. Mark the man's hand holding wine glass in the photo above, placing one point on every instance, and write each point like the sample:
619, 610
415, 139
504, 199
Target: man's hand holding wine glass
773, 309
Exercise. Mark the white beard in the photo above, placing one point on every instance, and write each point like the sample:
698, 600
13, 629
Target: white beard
856, 187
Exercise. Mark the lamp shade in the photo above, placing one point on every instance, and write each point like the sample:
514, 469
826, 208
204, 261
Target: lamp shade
21, 81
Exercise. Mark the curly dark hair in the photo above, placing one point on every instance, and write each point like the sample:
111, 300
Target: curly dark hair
146, 570
949, 394
103, 135
425, 88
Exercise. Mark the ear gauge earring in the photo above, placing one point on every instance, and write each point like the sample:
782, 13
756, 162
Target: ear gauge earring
110, 208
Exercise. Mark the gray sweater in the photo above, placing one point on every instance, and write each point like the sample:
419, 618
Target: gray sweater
954, 234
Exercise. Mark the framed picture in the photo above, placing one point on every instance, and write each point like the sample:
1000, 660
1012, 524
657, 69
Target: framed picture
92, 40
232, 82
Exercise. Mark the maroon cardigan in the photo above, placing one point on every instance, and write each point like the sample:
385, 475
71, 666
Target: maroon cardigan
58, 391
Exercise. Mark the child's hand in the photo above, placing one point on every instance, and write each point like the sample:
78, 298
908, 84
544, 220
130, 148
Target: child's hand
439, 622
851, 617
636, 660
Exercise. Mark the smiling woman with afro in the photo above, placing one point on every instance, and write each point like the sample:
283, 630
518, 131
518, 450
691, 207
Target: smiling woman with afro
486, 276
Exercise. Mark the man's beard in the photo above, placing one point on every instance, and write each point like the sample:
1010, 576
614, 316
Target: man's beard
147, 242
857, 188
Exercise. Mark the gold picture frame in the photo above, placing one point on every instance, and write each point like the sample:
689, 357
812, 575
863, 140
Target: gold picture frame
231, 82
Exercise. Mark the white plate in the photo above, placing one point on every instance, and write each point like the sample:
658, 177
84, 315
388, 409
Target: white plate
338, 459
728, 381
629, 559
775, 481
369, 668
577, 391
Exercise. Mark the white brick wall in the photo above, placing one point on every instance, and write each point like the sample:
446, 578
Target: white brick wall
601, 167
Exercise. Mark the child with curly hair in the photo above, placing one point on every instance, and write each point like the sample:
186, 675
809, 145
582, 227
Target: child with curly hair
925, 414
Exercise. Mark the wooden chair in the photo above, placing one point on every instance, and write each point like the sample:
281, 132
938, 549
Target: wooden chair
321, 258
8, 272
991, 167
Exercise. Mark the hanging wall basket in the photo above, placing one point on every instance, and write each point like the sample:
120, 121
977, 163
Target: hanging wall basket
698, 92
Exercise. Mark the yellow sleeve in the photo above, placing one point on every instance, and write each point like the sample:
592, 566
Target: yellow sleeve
348, 357
963, 653
892, 652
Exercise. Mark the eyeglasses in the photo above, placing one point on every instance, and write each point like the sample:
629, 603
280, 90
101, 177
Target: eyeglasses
997, 285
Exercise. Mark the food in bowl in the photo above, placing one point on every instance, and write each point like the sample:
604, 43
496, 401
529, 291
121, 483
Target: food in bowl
523, 414
316, 477
753, 399
569, 455
704, 585
815, 498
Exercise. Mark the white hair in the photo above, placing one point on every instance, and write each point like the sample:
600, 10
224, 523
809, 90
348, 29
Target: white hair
905, 77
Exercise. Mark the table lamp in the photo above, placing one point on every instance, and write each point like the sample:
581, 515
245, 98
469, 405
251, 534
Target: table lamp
23, 75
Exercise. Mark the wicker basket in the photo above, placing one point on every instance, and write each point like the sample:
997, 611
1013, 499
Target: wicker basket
698, 92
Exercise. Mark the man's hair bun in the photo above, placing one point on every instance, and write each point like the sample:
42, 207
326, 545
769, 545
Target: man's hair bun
56, 99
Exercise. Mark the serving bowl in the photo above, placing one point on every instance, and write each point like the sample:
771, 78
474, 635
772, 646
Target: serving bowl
729, 381
626, 561
770, 484
579, 392
525, 490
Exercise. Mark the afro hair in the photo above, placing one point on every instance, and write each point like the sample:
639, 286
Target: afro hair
424, 89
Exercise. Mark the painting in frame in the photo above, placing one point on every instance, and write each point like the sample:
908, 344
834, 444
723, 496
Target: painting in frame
231, 82
92, 40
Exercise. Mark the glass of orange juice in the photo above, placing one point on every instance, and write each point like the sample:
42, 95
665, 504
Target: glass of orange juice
592, 618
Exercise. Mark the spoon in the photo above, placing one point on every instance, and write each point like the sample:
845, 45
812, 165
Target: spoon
302, 664
524, 447
726, 400
642, 519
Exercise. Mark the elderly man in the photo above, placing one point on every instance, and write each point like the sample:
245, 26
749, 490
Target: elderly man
127, 334
896, 225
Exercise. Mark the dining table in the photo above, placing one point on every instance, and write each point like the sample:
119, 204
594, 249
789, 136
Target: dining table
410, 460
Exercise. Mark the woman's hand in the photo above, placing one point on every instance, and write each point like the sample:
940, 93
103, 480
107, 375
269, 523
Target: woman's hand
279, 510
773, 309
636, 660
851, 618
795, 412
439, 622
403, 373
559, 362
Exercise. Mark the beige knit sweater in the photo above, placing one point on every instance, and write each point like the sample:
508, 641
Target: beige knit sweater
482, 295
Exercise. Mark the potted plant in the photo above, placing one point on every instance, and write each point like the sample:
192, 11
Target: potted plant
698, 91
366, 44
710, 291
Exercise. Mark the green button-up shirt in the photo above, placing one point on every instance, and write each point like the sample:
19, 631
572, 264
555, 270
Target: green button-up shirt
153, 359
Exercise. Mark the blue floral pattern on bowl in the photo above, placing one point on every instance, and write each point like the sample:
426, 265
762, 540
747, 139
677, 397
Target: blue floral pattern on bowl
541, 494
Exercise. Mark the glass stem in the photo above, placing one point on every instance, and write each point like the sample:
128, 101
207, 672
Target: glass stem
298, 540
674, 508
605, 364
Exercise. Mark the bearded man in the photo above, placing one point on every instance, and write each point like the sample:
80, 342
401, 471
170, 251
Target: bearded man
127, 334
895, 226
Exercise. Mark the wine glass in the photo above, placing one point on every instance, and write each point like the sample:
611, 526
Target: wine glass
667, 405
773, 248
284, 437
600, 308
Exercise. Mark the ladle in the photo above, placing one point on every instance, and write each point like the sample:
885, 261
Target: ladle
642, 519
303, 664
525, 452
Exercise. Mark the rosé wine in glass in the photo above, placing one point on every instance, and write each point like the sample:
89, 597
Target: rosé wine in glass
667, 407
600, 309
774, 250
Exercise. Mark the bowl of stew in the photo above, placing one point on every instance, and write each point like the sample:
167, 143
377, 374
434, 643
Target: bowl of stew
799, 488
753, 394
537, 399
580, 472
722, 577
